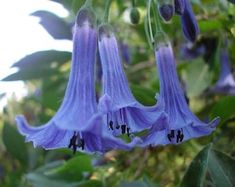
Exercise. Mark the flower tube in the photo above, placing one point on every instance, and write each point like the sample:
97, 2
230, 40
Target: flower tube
182, 123
124, 115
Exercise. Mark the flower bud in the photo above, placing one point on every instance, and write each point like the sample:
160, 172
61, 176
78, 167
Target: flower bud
86, 16
135, 16
161, 40
166, 9
179, 6
105, 30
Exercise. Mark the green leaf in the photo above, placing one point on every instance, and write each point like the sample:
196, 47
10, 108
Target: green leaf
55, 26
39, 65
222, 169
43, 59
220, 166
133, 184
73, 169
15, 144
93, 183
196, 172
209, 25
30, 74
38, 180
232, 1
224, 108
144, 95
197, 78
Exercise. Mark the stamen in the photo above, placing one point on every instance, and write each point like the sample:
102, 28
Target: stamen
180, 136
111, 125
171, 135
81, 143
128, 131
117, 126
72, 143
123, 127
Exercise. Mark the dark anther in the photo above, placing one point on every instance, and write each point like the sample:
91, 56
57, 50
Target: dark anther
128, 131
81, 143
123, 127
72, 143
117, 126
171, 135
180, 136
111, 125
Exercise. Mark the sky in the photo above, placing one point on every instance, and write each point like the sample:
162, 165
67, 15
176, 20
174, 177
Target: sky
20, 35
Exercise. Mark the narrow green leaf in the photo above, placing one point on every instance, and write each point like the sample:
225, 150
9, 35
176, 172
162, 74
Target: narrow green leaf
38, 180
43, 59
197, 78
222, 169
73, 169
30, 74
15, 144
144, 95
232, 1
54, 25
210, 25
224, 108
133, 184
196, 172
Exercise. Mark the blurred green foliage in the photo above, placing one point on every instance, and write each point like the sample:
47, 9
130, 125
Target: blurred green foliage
45, 73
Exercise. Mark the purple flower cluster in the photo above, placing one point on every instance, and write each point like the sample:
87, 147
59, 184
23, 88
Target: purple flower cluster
82, 123
183, 8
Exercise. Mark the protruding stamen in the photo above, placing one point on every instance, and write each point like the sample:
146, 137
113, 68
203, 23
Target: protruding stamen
171, 135
111, 125
72, 143
117, 126
128, 131
123, 127
180, 136
81, 143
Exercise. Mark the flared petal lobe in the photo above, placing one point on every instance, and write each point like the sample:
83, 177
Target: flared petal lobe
226, 82
189, 51
123, 113
182, 123
189, 23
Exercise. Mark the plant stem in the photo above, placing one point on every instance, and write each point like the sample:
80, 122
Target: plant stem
106, 12
88, 3
156, 17
133, 3
149, 20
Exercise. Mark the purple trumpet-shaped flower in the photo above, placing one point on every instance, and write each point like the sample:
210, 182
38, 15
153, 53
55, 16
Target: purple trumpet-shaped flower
179, 6
124, 115
77, 123
226, 82
182, 123
189, 23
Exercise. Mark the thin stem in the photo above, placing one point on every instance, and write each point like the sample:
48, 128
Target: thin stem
106, 12
133, 3
149, 20
157, 18
88, 3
